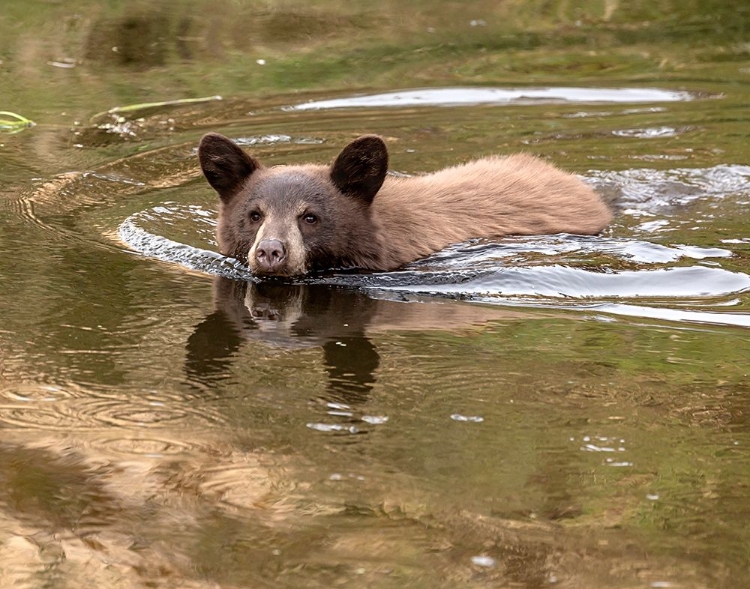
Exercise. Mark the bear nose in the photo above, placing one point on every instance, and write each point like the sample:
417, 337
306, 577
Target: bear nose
270, 255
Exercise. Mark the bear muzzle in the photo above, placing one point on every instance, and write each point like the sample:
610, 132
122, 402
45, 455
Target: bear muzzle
270, 257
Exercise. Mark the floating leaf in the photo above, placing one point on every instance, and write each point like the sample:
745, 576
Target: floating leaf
146, 105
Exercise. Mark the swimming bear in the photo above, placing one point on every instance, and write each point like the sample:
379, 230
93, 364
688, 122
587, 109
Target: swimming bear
292, 220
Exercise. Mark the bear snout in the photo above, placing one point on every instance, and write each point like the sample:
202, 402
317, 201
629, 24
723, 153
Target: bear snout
270, 256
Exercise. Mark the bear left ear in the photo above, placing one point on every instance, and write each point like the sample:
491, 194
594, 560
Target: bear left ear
359, 170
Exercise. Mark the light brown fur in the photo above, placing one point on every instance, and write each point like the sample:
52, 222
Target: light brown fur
491, 197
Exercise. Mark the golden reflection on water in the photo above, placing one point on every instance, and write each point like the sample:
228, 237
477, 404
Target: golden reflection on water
224, 485
76, 511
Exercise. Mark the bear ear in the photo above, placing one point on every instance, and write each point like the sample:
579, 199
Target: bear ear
359, 170
224, 164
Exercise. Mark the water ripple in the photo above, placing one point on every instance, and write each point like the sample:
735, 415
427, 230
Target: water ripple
550, 270
37, 393
652, 191
563, 281
478, 253
148, 446
477, 96
650, 133
190, 257
85, 413
679, 315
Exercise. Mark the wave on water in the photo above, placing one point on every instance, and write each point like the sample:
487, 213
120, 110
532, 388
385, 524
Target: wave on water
498, 96
167, 250
646, 190
612, 275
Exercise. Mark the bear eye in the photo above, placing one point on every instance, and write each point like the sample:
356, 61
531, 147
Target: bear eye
255, 216
310, 219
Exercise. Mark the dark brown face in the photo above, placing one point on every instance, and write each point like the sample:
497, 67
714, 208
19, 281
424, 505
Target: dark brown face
290, 220
295, 221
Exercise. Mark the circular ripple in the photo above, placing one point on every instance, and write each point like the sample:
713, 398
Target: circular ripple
241, 485
45, 417
95, 413
37, 393
145, 415
645, 190
149, 446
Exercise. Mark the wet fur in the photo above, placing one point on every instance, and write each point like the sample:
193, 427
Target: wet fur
376, 222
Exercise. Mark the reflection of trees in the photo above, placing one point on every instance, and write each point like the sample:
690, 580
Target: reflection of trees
136, 40
215, 43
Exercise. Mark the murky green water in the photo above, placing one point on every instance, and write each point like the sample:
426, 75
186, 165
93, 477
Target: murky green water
536, 412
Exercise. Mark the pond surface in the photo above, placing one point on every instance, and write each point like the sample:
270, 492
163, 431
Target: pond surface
555, 411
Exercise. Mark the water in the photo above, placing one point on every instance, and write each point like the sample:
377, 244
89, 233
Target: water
479, 96
529, 412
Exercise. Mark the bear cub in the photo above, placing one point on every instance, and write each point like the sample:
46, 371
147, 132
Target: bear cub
291, 220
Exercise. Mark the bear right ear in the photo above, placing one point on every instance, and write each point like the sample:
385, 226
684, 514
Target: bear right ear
224, 164
360, 168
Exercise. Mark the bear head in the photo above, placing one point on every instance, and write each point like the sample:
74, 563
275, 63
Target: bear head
290, 220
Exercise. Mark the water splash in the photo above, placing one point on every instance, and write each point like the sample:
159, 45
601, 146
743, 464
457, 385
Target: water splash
655, 191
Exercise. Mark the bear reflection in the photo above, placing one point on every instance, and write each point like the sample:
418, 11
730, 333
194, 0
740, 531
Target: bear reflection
289, 316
